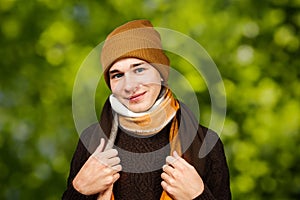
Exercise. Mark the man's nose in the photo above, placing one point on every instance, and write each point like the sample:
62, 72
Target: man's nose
130, 84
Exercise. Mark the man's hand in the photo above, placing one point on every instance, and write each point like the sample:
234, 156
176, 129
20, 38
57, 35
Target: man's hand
99, 172
180, 179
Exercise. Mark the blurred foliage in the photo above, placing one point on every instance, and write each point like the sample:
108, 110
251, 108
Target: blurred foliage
254, 43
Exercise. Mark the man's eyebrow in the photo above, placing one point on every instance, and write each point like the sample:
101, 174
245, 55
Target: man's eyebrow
137, 64
113, 71
131, 66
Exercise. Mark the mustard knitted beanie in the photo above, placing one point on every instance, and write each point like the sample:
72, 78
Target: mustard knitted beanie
135, 39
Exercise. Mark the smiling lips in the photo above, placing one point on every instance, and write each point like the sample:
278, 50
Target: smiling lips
136, 97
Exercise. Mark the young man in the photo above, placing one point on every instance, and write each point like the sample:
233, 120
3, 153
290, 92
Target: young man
146, 144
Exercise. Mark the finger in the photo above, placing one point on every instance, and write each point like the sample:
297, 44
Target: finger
117, 168
116, 176
164, 185
113, 161
168, 170
175, 162
100, 147
173, 158
175, 154
180, 159
167, 179
104, 157
108, 154
108, 158
170, 160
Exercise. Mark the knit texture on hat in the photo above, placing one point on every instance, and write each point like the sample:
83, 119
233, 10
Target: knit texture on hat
135, 39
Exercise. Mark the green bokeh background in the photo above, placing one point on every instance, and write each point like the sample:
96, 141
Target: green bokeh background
254, 43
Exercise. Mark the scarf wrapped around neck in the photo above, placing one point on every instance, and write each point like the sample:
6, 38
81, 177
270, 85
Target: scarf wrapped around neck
146, 123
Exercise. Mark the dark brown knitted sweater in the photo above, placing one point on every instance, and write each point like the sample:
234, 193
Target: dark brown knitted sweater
140, 178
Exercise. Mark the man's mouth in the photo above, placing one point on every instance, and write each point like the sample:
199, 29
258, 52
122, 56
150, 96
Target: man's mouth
136, 97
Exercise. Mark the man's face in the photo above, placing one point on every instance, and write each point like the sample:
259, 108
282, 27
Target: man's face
135, 83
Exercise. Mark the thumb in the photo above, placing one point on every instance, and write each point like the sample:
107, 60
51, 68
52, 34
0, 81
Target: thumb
100, 147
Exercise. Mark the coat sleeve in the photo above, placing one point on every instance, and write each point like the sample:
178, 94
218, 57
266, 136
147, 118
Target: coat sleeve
80, 156
204, 150
216, 178
89, 141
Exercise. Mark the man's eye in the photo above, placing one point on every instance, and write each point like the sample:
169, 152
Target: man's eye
115, 76
139, 70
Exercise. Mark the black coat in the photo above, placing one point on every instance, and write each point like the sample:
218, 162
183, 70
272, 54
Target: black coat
202, 148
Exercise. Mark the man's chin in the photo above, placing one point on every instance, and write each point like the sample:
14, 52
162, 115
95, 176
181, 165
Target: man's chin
138, 108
